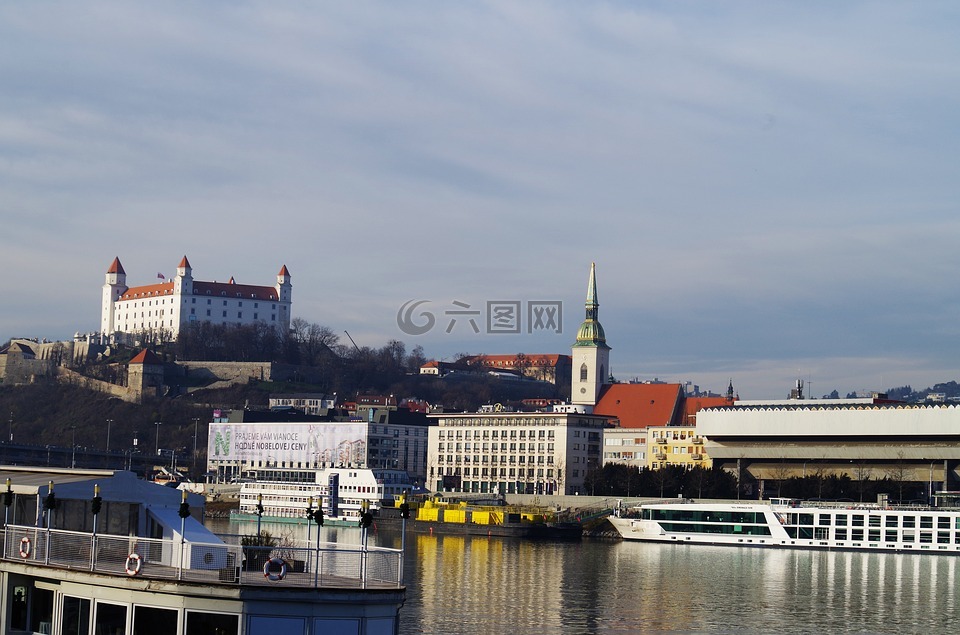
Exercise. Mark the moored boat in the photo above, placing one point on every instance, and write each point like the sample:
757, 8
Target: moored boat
285, 494
790, 523
460, 517
103, 552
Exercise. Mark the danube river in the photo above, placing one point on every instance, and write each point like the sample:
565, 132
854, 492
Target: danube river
461, 585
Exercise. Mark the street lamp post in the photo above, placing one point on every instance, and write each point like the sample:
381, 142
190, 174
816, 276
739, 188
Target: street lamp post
196, 424
109, 421
11, 426
157, 423
73, 448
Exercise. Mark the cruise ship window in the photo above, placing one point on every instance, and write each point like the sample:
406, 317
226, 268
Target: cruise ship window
75, 617
110, 618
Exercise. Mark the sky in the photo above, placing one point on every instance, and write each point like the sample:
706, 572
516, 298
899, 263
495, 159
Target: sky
768, 189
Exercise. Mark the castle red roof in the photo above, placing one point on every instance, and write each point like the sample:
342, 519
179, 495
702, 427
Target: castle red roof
222, 289
116, 267
148, 290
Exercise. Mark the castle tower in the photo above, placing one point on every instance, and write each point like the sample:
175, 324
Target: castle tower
113, 287
284, 291
591, 355
183, 283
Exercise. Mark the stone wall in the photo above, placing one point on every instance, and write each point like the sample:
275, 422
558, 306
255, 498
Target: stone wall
15, 369
67, 376
224, 374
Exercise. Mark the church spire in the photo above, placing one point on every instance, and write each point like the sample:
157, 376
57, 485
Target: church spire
590, 332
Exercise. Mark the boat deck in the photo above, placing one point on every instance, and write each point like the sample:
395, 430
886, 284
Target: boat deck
323, 565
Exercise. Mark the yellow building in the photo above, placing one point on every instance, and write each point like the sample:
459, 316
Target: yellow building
675, 445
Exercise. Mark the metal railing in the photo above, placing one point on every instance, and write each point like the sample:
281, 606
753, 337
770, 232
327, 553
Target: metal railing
318, 565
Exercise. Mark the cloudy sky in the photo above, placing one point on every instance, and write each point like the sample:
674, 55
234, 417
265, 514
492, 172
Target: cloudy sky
769, 189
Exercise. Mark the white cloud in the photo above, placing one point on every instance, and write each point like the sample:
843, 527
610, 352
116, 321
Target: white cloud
752, 179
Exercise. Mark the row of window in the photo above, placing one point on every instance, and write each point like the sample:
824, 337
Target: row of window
32, 610
512, 460
466, 447
874, 520
504, 472
598, 422
492, 434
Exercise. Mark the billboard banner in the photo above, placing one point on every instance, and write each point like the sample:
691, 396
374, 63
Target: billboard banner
288, 443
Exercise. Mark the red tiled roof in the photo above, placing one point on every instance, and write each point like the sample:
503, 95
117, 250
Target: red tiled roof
146, 357
283, 271
693, 405
148, 290
116, 267
509, 360
641, 405
184, 263
233, 290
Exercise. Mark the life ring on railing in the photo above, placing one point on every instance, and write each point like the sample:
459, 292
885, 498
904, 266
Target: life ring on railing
24, 547
273, 575
133, 564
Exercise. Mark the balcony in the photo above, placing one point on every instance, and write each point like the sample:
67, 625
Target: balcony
661, 440
310, 565
661, 457
698, 440
696, 457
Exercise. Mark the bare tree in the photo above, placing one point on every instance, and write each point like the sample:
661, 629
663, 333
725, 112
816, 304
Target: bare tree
521, 364
862, 473
780, 474
898, 474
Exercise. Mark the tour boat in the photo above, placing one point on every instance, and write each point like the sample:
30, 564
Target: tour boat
790, 523
285, 494
103, 552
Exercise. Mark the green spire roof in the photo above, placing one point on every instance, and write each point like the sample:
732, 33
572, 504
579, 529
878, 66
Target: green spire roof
590, 332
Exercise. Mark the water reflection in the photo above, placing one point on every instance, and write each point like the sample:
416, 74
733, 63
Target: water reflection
458, 584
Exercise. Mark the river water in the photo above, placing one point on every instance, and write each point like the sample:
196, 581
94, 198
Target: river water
473, 585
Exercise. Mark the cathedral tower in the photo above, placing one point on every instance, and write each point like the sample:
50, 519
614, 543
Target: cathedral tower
591, 355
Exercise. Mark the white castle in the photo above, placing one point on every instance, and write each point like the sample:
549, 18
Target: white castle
161, 309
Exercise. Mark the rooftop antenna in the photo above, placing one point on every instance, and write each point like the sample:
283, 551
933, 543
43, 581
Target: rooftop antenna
352, 342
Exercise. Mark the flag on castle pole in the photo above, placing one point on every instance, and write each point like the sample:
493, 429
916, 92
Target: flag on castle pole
161, 276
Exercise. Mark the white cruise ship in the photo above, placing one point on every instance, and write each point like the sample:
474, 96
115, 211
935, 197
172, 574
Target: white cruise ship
285, 494
788, 523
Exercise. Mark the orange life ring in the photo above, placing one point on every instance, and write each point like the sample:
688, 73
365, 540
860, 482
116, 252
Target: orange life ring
133, 564
25, 547
271, 574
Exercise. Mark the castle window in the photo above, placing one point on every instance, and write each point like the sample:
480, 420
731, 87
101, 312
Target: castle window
583, 372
